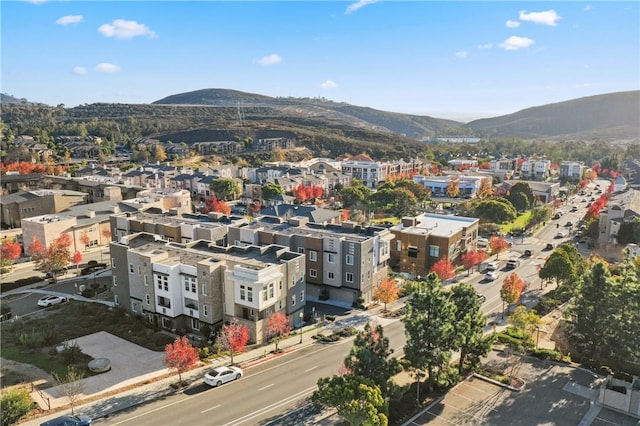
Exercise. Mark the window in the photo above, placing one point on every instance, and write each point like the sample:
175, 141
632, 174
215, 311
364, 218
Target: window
204, 290
434, 251
331, 275
313, 273
115, 299
166, 323
146, 280
349, 277
113, 262
162, 282
205, 310
271, 291
300, 249
147, 299
115, 281
331, 258
139, 270
398, 245
249, 294
265, 296
349, 259
195, 324
293, 300
313, 255
131, 268
150, 318
302, 295
242, 292
190, 283
412, 251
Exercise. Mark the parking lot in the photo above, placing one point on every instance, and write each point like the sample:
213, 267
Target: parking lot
552, 395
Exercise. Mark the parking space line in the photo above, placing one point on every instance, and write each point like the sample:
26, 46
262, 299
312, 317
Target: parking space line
607, 421
463, 411
437, 416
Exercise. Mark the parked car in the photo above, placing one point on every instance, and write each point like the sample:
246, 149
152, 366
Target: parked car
221, 375
569, 224
549, 246
489, 266
528, 253
481, 297
491, 276
574, 209
46, 301
560, 235
513, 263
68, 421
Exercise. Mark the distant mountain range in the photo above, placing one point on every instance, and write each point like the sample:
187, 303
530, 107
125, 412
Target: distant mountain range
612, 116
607, 116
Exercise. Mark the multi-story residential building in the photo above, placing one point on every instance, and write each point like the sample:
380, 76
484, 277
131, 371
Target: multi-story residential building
468, 184
622, 208
366, 170
183, 228
20, 205
503, 165
14, 182
343, 262
535, 169
572, 170
180, 287
422, 240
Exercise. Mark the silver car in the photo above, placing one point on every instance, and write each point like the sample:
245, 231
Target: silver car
221, 375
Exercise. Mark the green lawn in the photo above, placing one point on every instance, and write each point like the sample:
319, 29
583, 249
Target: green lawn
520, 222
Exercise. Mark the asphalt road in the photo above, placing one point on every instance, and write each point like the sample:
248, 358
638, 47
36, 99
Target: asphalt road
275, 392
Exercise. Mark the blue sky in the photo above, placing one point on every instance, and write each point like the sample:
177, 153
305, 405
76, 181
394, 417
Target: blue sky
446, 59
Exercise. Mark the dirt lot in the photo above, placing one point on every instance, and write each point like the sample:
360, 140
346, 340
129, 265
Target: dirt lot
14, 373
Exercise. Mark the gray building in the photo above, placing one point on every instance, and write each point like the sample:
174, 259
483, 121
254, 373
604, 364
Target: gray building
181, 287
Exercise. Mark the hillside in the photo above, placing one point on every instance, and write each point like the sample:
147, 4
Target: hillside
608, 116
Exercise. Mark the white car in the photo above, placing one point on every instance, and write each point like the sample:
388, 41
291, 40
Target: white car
49, 300
492, 266
560, 235
221, 375
491, 276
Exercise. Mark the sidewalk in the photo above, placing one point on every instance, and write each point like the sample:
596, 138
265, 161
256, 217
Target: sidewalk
151, 386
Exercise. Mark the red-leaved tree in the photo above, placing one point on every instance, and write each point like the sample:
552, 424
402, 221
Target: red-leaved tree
469, 260
180, 356
221, 206
9, 251
54, 257
498, 245
386, 292
84, 239
35, 246
277, 326
77, 258
443, 269
233, 337
344, 215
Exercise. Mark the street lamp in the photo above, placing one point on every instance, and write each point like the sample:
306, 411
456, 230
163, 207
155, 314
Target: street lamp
419, 375
301, 316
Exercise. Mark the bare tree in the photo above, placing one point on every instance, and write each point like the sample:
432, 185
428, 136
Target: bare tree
71, 384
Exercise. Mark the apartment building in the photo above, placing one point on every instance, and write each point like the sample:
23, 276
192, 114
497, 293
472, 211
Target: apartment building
343, 262
468, 184
368, 171
181, 287
623, 207
183, 228
14, 207
422, 240
535, 169
572, 170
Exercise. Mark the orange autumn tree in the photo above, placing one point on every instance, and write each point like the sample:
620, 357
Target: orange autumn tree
512, 288
443, 269
233, 337
9, 251
498, 245
471, 259
386, 292
55, 257
277, 325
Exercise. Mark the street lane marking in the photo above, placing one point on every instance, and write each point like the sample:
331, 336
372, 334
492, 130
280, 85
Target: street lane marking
311, 369
265, 387
212, 408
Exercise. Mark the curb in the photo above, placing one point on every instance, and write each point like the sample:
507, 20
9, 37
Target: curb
495, 382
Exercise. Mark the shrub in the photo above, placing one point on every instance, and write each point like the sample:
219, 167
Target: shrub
204, 353
510, 341
88, 292
161, 339
49, 335
14, 405
547, 354
71, 353
30, 340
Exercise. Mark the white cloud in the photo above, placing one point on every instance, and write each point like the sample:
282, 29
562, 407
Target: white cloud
485, 46
512, 24
462, 54
587, 8
548, 17
125, 29
356, 6
106, 67
79, 70
329, 84
270, 59
69, 19
515, 43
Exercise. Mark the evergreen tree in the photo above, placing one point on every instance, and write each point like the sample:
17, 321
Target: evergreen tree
469, 326
429, 326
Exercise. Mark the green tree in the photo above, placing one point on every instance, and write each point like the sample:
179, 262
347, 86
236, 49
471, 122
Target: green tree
469, 326
14, 404
357, 399
525, 320
271, 190
225, 188
159, 154
521, 196
355, 195
558, 267
429, 326
539, 215
495, 211
625, 336
370, 357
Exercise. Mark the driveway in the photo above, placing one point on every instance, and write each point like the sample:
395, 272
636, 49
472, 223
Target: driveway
130, 364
